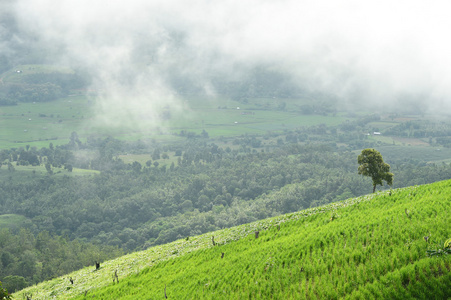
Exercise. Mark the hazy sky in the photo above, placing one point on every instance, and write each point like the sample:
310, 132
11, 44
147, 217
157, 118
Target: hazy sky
367, 51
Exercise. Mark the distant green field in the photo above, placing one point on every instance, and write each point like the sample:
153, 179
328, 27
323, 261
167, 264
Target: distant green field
11, 221
26, 171
371, 247
38, 124
16, 74
420, 153
143, 158
233, 122
382, 125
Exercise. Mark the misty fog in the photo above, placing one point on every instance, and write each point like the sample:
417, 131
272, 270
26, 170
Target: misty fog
141, 54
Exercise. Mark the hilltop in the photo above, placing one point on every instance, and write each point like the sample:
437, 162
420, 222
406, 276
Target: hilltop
367, 247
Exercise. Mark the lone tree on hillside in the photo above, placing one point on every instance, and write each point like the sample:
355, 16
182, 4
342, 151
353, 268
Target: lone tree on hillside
372, 164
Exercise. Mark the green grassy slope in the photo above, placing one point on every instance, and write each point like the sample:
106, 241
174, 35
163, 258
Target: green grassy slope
370, 247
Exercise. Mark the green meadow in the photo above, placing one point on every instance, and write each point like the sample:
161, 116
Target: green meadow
15, 75
370, 247
24, 172
11, 221
420, 153
38, 124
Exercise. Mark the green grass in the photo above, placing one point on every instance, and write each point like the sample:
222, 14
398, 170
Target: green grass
11, 221
25, 172
38, 124
14, 76
420, 153
233, 122
371, 247
386, 140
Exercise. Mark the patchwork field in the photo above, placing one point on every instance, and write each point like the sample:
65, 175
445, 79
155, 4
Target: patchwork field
15, 75
420, 153
24, 172
38, 124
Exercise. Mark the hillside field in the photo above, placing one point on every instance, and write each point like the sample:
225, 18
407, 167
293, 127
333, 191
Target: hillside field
371, 247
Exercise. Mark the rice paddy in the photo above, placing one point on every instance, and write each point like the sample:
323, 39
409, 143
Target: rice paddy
371, 247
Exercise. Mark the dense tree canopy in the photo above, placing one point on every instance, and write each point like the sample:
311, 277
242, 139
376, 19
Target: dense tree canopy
202, 187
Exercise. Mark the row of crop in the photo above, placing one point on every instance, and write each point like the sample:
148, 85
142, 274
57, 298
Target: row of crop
392, 249
415, 280
263, 286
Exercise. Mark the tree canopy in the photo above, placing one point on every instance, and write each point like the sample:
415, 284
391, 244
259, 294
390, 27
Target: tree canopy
372, 164
4, 295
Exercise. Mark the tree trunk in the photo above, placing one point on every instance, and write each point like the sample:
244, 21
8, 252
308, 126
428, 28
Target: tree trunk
374, 188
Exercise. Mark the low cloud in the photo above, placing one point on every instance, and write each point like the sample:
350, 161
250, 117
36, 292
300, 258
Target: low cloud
382, 53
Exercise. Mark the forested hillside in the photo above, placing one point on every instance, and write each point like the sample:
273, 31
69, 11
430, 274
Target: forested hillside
134, 206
